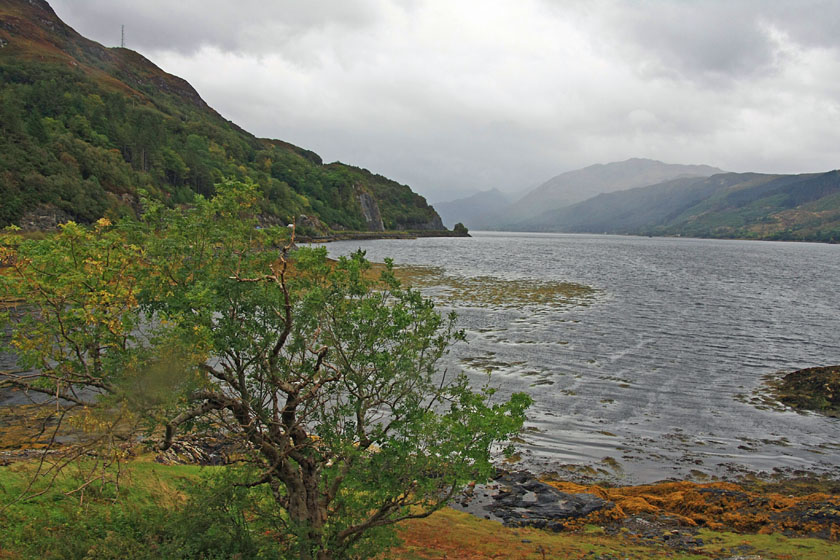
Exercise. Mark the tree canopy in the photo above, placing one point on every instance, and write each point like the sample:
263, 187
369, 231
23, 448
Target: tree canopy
85, 147
325, 374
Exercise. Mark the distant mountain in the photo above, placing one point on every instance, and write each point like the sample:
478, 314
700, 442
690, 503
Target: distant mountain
575, 186
729, 205
474, 209
84, 127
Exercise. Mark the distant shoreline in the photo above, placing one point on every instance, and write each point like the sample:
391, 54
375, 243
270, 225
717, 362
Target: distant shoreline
354, 235
669, 236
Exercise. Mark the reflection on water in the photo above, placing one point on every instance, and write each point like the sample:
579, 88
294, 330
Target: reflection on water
656, 370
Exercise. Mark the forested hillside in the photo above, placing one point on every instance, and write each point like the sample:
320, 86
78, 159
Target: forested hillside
83, 128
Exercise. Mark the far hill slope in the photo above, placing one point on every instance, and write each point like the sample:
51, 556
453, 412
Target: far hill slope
581, 184
472, 210
729, 205
84, 127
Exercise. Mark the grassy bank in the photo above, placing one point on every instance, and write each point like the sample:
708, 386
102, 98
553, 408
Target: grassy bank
456, 535
186, 511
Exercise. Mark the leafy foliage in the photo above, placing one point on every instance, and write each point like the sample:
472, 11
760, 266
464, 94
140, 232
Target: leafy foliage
326, 375
184, 513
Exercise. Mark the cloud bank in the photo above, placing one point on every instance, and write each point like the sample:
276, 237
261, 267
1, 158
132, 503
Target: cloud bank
455, 97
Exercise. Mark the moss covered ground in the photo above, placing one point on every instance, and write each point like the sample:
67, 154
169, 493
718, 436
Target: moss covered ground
455, 535
135, 520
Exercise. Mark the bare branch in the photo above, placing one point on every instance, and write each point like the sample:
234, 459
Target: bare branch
185, 416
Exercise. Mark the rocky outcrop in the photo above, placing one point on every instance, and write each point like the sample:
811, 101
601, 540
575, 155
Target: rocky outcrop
519, 500
433, 224
209, 451
310, 225
816, 389
529, 502
370, 210
45, 217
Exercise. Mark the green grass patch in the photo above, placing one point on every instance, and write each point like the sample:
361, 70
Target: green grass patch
191, 512
156, 511
775, 546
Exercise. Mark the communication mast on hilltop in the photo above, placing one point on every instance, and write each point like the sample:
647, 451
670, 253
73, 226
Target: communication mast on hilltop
122, 36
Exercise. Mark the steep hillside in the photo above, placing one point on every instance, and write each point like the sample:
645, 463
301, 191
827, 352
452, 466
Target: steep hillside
581, 184
83, 127
729, 205
473, 210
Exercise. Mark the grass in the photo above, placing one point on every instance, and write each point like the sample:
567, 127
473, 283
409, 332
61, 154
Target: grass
63, 524
135, 520
774, 546
455, 535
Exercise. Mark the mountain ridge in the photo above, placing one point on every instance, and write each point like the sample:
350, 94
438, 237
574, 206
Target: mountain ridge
804, 207
472, 210
578, 185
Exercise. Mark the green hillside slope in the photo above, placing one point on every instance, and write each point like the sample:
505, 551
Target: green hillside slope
730, 205
83, 127
578, 185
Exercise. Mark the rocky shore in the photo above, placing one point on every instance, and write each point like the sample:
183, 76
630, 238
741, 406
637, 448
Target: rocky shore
519, 499
670, 512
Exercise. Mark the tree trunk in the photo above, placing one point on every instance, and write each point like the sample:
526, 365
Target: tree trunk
308, 513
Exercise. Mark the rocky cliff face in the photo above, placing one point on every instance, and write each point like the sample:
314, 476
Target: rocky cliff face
370, 211
433, 224
45, 217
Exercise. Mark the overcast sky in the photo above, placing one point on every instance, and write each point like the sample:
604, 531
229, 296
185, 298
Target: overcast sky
458, 96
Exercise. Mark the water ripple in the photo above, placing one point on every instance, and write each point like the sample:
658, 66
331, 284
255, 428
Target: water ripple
680, 331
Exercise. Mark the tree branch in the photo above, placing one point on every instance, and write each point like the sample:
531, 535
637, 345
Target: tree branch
185, 416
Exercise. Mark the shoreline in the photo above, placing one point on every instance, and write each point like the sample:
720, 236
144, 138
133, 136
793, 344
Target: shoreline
371, 235
665, 236
806, 505
679, 513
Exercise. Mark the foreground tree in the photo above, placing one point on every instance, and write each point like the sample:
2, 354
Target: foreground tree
325, 372
71, 302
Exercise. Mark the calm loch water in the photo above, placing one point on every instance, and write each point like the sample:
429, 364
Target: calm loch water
658, 374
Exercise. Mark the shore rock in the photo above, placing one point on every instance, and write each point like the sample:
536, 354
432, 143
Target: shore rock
520, 500
816, 389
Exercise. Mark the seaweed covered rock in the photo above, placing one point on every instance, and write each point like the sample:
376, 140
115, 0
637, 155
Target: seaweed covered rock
816, 389
530, 502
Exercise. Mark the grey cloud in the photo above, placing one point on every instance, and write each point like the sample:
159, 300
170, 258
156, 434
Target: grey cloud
713, 42
453, 97
716, 41
809, 22
245, 26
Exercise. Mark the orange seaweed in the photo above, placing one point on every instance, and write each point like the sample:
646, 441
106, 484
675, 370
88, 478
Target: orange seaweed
716, 505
